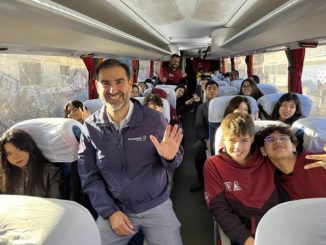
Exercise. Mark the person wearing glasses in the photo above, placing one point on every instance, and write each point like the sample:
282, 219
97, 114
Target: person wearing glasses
278, 143
249, 88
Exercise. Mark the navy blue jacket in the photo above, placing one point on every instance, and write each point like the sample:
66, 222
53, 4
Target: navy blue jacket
122, 170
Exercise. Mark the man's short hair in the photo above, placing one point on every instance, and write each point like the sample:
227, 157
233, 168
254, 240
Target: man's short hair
237, 124
154, 99
210, 82
175, 56
109, 63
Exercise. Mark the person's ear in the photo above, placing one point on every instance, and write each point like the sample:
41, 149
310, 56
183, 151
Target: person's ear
262, 150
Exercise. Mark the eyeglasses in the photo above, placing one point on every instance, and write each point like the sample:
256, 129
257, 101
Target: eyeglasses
270, 139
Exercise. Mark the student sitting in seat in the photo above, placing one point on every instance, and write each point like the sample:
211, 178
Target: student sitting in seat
76, 110
249, 88
278, 143
154, 101
239, 181
287, 109
27, 171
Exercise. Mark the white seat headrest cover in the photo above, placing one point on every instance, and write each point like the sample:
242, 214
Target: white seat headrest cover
170, 94
267, 88
45, 221
218, 105
265, 123
166, 106
286, 223
54, 136
93, 105
166, 86
314, 129
269, 101
227, 90
236, 84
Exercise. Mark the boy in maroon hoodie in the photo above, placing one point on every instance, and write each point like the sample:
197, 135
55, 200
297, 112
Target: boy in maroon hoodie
239, 181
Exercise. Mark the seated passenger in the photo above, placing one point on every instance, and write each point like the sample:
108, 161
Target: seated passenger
237, 104
239, 182
154, 101
182, 103
76, 110
249, 88
287, 109
202, 130
27, 171
278, 143
142, 87
255, 78
135, 91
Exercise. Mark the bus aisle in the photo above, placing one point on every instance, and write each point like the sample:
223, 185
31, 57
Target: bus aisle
190, 207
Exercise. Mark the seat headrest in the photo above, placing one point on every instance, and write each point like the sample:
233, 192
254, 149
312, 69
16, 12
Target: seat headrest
269, 101
227, 90
314, 133
57, 138
237, 84
93, 105
267, 88
166, 107
170, 94
218, 105
35, 220
166, 86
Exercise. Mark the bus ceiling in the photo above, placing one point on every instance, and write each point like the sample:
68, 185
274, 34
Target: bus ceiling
146, 29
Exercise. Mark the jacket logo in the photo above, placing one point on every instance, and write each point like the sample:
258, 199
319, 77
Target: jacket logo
138, 139
235, 186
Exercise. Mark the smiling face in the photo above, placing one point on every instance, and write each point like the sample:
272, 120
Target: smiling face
238, 147
278, 146
287, 110
246, 88
243, 108
114, 88
74, 113
16, 156
174, 62
179, 92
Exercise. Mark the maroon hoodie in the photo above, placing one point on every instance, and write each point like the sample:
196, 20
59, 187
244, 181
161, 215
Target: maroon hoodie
239, 195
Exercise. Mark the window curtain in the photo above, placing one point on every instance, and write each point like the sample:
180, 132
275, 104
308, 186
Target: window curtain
249, 62
91, 64
296, 59
151, 69
223, 68
232, 64
135, 69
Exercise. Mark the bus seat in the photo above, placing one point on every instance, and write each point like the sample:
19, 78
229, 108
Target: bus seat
216, 109
312, 131
170, 94
166, 106
292, 223
93, 105
267, 88
149, 85
236, 84
46, 221
58, 139
173, 87
220, 238
227, 90
267, 103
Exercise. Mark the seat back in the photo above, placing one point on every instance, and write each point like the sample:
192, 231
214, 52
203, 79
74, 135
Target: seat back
166, 107
267, 103
227, 90
58, 139
216, 110
267, 88
312, 131
292, 223
45, 221
236, 84
93, 105
170, 94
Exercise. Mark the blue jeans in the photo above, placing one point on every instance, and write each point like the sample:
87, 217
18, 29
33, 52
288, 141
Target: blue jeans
159, 225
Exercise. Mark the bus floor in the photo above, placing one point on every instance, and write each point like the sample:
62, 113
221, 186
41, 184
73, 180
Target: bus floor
190, 207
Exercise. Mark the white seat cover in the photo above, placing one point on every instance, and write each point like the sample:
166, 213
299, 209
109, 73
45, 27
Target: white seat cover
166, 106
217, 107
269, 101
170, 94
267, 88
314, 130
44, 221
227, 90
166, 86
236, 84
93, 105
294, 223
56, 137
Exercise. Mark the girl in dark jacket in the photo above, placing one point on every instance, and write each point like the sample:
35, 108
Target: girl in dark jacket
26, 170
